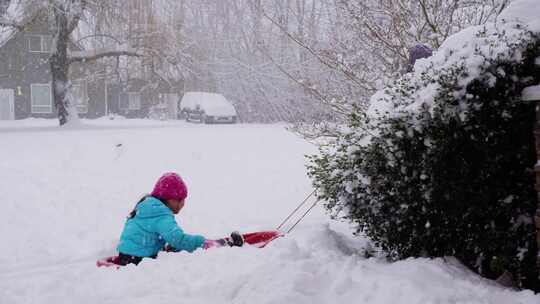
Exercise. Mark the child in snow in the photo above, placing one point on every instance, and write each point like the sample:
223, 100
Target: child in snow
151, 226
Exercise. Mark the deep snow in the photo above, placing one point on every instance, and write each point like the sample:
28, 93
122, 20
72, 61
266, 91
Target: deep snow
65, 194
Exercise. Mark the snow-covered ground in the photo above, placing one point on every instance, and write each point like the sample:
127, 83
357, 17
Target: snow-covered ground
65, 194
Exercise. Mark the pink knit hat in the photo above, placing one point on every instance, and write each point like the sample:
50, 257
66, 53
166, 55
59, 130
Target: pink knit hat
170, 186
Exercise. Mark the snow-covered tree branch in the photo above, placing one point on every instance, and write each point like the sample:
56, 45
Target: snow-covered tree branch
101, 53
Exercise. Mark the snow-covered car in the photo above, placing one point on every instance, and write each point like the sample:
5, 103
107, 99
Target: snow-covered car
207, 107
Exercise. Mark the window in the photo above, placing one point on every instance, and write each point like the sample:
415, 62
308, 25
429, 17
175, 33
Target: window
124, 101
134, 101
34, 43
140, 27
4, 4
41, 96
39, 43
79, 94
5, 63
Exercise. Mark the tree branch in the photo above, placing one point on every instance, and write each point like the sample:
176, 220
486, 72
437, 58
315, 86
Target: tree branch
102, 54
98, 35
433, 27
12, 24
333, 65
306, 87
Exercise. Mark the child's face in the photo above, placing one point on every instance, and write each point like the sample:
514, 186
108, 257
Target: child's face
176, 205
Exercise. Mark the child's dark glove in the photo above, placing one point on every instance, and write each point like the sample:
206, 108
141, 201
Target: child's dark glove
236, 239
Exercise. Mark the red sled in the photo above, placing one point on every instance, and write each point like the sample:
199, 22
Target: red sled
261, 238
257, 239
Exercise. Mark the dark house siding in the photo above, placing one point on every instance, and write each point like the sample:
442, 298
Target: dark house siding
120, 96
128, 99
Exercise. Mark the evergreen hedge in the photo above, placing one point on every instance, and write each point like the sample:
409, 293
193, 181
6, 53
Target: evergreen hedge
452, 176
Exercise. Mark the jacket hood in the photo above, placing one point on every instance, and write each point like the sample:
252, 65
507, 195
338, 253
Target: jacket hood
152, 207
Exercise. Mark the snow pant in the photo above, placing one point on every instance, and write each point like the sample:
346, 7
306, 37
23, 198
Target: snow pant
124, 259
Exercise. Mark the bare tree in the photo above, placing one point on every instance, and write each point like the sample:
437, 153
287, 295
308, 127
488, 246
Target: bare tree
362, 45
299, 60
385, 30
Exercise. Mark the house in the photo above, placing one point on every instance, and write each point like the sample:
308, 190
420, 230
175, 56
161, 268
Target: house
132, 90
137, 97
25, 77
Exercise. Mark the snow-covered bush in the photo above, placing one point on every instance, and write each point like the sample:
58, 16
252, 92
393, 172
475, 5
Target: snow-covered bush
441, 163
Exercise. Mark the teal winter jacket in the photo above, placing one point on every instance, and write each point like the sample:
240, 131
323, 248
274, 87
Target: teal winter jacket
153, 225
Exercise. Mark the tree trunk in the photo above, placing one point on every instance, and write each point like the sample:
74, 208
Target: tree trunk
60, 68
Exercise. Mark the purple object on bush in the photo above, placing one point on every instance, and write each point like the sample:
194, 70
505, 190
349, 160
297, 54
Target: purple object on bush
417, 52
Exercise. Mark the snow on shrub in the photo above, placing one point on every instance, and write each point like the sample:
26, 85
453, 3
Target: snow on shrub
441, 163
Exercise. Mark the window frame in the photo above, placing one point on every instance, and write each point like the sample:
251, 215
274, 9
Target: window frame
42, 43
33, 105
123, 101
134, 104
